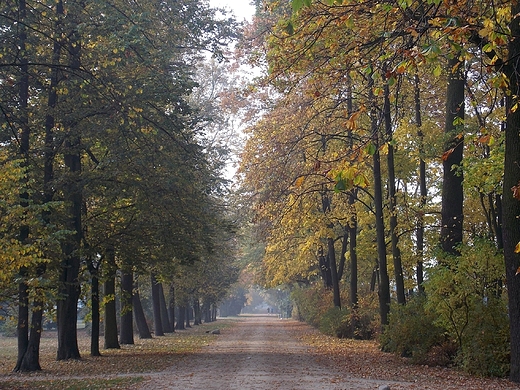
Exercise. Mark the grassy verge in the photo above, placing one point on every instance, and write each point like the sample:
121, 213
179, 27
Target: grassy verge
115, 369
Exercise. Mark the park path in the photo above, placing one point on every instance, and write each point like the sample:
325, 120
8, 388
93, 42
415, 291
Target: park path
259, 352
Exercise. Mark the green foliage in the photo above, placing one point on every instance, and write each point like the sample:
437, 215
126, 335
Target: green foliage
314, 306
486, 345
310, 304
362, 323
412, 331
332, 320
465, 295
462, 318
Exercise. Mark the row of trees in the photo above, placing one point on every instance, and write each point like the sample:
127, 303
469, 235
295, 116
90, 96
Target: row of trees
111, 162
378, 122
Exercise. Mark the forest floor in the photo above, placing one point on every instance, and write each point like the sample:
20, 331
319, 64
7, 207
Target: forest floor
251, 352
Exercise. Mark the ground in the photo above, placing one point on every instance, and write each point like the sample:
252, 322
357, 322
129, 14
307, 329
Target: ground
251, 352
264, 352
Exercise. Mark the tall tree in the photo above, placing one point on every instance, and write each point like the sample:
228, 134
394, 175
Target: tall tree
452, 182
511, 191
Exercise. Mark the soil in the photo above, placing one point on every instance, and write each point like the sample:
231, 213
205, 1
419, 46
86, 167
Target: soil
264, 352
259, 352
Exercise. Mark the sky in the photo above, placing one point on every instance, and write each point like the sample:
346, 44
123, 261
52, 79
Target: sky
241, 8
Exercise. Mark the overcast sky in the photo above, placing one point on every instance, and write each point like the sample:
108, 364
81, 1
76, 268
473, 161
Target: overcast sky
241, 8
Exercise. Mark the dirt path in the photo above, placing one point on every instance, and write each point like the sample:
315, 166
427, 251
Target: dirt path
261, 353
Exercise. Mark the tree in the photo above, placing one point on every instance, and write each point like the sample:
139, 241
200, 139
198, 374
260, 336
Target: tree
511, 199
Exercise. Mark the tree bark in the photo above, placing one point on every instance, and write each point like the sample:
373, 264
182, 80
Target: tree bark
198, 313
69, 279
22, 329
423, 190
111, 340
511, 197
140, 319
331, 254
171, 306
181, 318
392, 197
165, 319
188, 315
156, 304
94, 335
452, 189
31, 358
384, 281
343, 254
126, 334
352, 230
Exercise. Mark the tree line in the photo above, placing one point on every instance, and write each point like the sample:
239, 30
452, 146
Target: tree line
384, 156
112, 167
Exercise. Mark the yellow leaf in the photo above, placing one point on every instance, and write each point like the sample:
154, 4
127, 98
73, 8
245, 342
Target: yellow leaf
517, 248
299, 181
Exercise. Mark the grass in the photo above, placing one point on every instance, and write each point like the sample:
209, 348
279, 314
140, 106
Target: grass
115, 369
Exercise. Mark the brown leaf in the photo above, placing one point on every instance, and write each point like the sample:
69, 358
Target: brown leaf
516, 191
447, 154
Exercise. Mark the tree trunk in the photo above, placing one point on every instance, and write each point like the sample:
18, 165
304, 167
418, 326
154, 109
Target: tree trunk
94, 335
392, 195
197, 314
419, 232
167, 327
171, 306
181, 318
111, 340
126, 334
31, 358
188, 315
206, 309
511, 194
69, 279
331, 254
324, 268
140, 319
156, 304
343, 254
452, 189
30, 361
22, 329
384, 281
352, 229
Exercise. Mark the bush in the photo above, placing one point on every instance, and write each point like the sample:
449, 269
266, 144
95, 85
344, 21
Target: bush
331, 321
412, 332
314, 306
485, 349
465, 293
311, 304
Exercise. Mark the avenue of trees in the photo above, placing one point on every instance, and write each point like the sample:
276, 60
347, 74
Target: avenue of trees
380, 177
112, 162
383, 155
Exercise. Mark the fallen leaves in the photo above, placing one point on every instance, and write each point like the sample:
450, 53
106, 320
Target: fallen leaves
144, 356
364, 359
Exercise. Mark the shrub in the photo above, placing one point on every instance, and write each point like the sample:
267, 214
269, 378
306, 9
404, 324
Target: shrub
332, 321
311, 304
466, 296
412, 332
485, 349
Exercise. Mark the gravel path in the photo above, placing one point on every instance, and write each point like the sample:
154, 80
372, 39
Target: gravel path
259, 352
